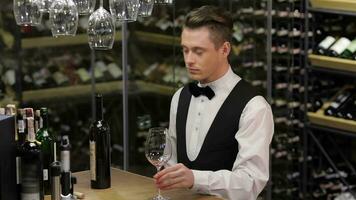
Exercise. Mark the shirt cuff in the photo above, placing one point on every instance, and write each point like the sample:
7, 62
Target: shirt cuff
201, 181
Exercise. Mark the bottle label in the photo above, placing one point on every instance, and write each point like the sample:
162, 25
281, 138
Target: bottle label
18, 170
83, 75
340, 45
30, 186
327, 42
92, 147
352, 46
45, 174
21, 126
114, 70
25, 196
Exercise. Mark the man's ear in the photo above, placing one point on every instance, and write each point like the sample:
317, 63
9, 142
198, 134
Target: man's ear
226, 48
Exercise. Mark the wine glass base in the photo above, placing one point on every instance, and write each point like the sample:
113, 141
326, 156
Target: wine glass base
159, 197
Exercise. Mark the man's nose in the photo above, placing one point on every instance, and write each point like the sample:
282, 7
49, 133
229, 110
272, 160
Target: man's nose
189, 58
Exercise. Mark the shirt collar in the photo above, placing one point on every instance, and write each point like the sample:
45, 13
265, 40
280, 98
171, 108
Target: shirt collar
224, 82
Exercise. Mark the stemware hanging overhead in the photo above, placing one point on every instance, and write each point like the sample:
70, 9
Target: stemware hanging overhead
101, 29
125, 10
27, 12
146, 7
45, 5
85, 7
164, 1
63, 17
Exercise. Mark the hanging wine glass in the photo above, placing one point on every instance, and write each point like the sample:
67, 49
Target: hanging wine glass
46, 5
85, 7
164, 1
27, 12
146, 7
125, 10
63, 17
101, 29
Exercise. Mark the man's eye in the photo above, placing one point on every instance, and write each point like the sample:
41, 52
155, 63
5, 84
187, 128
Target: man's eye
199, 53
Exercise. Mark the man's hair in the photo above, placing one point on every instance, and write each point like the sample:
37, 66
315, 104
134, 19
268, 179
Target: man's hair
217, 20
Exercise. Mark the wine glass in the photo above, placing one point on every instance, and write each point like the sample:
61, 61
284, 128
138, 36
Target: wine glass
158, 151
164, 1
63, 17
146, 7
45, 5
125, 10
101, 29
27, 12
85, 7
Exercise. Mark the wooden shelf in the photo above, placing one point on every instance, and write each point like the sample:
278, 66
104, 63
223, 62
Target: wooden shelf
49, 41
104, 88
157, 38
339, 64
319, 118
334, 5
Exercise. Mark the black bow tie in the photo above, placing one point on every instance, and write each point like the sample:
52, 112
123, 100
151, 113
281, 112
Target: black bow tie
196, 91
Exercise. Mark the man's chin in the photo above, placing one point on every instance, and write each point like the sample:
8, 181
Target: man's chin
195, 77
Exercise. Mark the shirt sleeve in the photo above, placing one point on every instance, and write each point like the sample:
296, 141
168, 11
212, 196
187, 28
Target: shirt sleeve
250, 171
172, 128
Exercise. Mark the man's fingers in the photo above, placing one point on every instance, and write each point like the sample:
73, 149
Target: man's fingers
167, 170
170, 182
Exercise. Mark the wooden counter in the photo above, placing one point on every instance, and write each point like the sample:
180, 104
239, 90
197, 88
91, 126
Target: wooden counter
129, 186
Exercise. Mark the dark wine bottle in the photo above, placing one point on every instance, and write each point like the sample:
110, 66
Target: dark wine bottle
348, 109
99, 143
47, 148
31, 166
338, 102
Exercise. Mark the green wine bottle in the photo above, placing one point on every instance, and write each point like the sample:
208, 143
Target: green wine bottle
47, 147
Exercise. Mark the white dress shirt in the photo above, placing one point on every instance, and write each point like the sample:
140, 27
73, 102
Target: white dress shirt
250, 171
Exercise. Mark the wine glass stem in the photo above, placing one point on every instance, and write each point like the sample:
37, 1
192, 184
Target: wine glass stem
101, 3
159, 190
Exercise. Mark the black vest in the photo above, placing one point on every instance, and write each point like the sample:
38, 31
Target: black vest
220, 148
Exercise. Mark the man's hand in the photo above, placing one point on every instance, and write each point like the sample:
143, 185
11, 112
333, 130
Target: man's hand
176, 176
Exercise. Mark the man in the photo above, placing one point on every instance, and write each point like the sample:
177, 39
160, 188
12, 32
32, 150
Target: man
220, 129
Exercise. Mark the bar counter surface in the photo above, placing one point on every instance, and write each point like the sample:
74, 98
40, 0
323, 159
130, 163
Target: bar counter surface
129, 186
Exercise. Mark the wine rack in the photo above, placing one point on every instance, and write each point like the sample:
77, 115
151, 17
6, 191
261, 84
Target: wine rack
330, 173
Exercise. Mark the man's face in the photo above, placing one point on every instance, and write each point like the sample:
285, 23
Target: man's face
202, 59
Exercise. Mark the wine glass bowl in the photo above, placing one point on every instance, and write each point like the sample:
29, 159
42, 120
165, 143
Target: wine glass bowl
85, 7
27, 12
101, 30
158, 150
146, 7
164, 1
125, 10
63, 17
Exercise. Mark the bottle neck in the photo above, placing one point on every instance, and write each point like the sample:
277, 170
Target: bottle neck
99, 109
44, 122
31, 137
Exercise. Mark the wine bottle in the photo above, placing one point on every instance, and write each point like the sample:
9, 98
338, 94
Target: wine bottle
99, 143
2, 89
47, 147
37, 120
31, 166
347, 110
21, 126
338, 47
2, 111
350, 51
340, 99
324, 45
